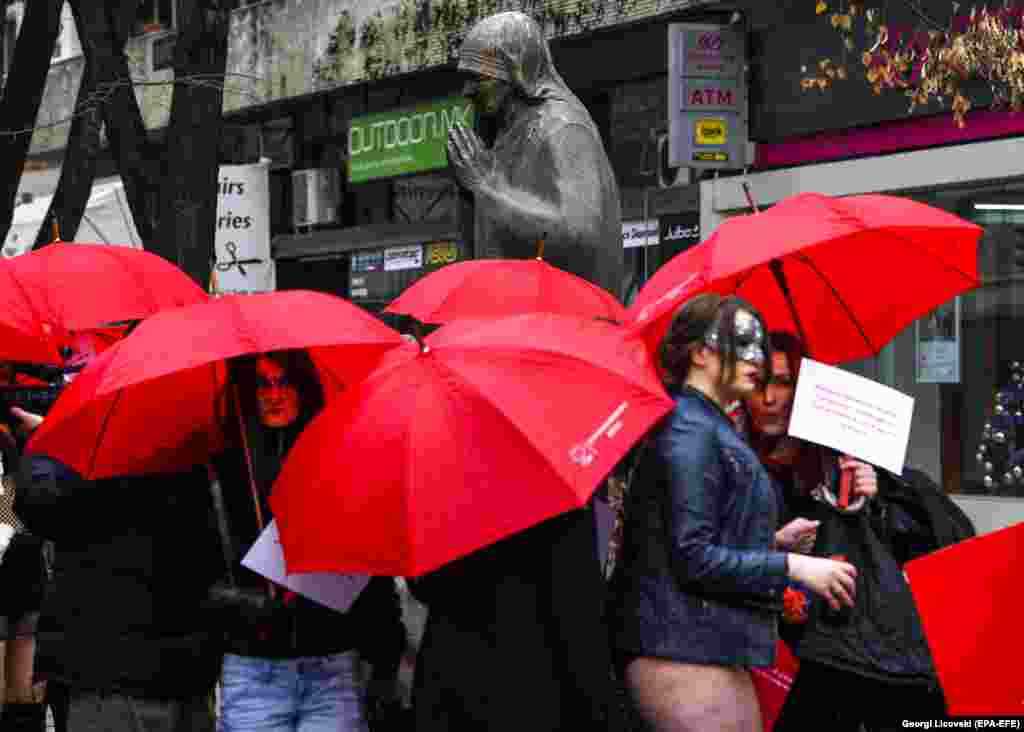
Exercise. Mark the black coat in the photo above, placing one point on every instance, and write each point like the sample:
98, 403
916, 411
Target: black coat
881, 637
297, 626
514, 638
134, 560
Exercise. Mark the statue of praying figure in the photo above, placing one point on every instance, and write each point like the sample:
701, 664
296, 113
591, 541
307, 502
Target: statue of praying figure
547, 175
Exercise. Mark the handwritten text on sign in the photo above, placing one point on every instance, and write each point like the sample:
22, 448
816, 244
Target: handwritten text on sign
851, 414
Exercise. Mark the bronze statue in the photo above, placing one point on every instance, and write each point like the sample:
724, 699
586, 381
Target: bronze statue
547, 175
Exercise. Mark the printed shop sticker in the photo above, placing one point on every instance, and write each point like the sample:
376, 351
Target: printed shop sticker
585, 453
399, 258
710, 132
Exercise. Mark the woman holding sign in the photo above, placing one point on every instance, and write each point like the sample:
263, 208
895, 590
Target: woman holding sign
291, 664
700, 587
875, 651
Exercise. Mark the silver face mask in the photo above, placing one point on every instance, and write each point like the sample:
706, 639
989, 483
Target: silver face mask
747, 335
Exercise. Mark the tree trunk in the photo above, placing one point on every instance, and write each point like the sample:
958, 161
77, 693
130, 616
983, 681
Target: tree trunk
22, 96
104, 32
188, 214
79, 168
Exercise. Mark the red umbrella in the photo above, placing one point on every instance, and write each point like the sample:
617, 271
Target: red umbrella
498, 288
846, 273
155, 401
489, 429
66, 287
968, 597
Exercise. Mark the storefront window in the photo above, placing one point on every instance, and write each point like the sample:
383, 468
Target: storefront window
967, 357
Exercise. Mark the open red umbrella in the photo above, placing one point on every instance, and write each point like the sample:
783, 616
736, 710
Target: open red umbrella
499, 288
488, 429
846, 273
968, 596
68, 286
155, 401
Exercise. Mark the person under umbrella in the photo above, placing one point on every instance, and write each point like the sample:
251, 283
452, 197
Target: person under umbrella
135, 560
700, 584
877, 650
290, 663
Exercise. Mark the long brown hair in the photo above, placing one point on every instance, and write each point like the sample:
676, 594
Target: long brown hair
689, 327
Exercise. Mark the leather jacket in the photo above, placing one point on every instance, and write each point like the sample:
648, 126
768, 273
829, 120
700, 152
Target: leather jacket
699, 581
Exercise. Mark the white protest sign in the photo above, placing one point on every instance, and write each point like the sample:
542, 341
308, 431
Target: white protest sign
242, 241
851, 414
336, 591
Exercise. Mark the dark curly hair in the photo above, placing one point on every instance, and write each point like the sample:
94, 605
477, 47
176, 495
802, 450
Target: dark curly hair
691, 324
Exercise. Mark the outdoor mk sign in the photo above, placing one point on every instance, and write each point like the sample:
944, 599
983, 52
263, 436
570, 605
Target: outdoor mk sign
707, 96
404, 141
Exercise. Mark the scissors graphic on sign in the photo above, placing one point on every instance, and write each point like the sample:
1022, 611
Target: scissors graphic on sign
232, 249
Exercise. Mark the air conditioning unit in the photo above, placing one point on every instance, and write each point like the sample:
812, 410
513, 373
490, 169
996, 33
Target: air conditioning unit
316, 196
669, 176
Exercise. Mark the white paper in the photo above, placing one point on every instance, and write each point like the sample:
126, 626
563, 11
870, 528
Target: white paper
336, 591
851, 414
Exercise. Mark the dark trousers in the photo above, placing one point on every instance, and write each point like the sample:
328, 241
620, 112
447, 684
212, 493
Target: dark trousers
839, 701
117, 713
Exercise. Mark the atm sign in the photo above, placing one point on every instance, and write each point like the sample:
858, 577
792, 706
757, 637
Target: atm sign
709, 132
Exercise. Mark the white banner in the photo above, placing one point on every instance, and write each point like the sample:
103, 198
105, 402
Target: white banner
851, 414
243, 230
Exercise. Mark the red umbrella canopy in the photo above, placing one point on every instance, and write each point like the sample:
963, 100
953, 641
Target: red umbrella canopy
489, 429
65, 287
499, 288
855, 271
156, 401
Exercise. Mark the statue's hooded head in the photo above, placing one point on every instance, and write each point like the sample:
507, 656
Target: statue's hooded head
510, 47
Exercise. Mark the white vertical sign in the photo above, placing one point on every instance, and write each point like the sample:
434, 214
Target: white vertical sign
243, 230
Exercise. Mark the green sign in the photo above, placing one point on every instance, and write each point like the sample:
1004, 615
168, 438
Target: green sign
404, 141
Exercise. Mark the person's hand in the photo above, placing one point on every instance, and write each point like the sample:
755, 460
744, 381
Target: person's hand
832, 580
27, 421
865, 479
472, 162
798, 535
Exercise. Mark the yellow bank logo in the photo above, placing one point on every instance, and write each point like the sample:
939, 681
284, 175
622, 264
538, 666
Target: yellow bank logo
709, 132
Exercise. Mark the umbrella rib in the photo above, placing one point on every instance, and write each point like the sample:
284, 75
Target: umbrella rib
548, 352
508, 420
103, 432
805, 260
947, 265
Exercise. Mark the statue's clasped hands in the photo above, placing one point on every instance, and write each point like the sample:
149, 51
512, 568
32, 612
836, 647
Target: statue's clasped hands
473, 163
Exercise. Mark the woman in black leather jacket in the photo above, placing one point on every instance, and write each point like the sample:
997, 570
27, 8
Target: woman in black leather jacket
700, 585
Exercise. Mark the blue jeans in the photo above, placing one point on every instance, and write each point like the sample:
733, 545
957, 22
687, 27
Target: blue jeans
313, 694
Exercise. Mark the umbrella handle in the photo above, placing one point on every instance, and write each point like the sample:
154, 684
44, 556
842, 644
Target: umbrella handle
252, 473
540, 246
